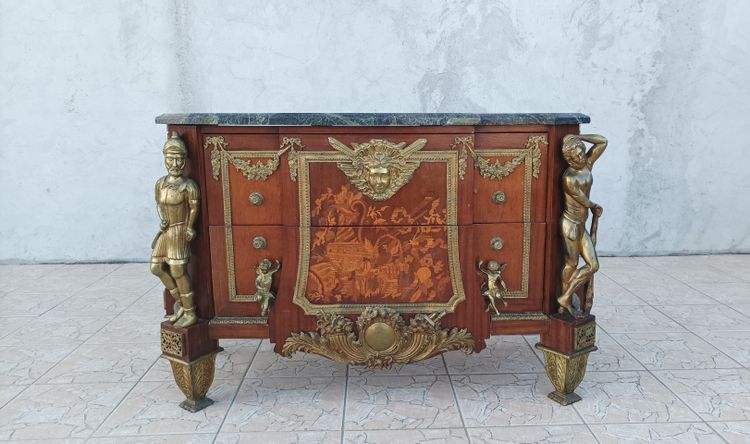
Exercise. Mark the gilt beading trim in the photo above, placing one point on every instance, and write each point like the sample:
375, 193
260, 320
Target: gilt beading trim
531, 166
522, 316
450, 158
244, 320
222, 163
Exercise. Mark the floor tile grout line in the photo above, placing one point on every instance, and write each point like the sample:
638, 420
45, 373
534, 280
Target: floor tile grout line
50, 273
726, 420
583, 421
343, 408
662, 270
657, 270
703, 293
720, 435
678, 332
527, 341
623, 287
625, 349
646, 301
700, 417
93, 435
455, 398
2, 406
76, 292
63, 300
121, 312
84, 342
137, 299
237, 391
656, 307
533, 351
512, 426
718, 270
134, 385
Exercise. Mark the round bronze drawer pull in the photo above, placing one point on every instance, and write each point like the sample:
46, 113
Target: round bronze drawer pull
497, 243
498, 197
259, 243
256, 198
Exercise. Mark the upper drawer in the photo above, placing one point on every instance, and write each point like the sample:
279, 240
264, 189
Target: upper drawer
510, 176
381, 179
243, 184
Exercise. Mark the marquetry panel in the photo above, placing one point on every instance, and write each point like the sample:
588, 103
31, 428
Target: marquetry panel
410, 269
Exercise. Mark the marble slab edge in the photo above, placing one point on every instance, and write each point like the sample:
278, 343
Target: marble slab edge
372, 119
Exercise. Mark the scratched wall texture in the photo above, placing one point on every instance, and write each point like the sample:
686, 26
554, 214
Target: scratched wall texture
81, 81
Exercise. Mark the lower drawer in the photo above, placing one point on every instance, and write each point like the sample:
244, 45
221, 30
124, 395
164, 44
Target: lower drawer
235, 255
347, 268
519, 247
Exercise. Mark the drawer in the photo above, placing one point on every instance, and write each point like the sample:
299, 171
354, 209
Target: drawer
411, 269
510, 176
233, 268
521, 247
382, 179
243, 179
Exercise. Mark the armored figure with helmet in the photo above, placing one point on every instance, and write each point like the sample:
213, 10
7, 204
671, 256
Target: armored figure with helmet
177, 202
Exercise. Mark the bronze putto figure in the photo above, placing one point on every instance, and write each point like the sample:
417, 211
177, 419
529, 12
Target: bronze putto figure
494, 285
263, 281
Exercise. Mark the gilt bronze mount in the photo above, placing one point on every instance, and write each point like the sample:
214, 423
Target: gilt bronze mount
177, 203
379, 168
383, 338
263, 281
493, 288
578, 243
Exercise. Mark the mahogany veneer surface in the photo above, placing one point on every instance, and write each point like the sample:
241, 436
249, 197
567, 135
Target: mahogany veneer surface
364, 251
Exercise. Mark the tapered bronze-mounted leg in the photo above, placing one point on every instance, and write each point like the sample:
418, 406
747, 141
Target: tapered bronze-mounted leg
566, 350
192, 355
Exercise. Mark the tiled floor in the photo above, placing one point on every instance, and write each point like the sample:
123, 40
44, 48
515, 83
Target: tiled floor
79, 362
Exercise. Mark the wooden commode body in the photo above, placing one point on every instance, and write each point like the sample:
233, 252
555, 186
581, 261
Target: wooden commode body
377, 239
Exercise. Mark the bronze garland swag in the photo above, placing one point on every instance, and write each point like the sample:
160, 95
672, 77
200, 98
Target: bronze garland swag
376, 239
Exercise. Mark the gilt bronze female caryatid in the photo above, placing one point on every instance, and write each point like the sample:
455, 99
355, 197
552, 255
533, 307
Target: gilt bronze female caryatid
177, 202
577, 242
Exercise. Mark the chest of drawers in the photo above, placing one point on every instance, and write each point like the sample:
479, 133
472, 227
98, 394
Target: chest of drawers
375, 239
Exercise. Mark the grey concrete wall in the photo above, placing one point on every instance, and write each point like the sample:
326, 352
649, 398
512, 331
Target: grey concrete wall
80, 82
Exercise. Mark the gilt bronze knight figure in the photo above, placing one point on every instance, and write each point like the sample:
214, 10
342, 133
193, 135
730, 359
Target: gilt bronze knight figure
576, 184
177, 203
